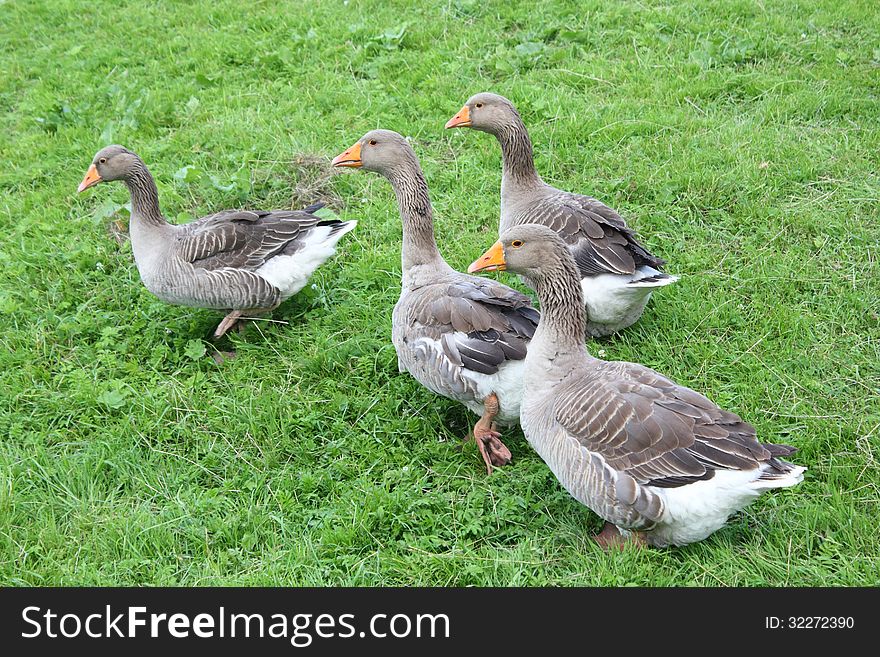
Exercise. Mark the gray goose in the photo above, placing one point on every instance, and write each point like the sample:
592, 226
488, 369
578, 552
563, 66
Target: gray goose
617, 273
659, 462
462, 337
242, 261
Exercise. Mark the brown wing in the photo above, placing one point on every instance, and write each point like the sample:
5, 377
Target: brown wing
654, 430
242, 239
598, 237
480, 323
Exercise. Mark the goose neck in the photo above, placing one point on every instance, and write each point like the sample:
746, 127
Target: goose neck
517, 156
414, 204
144, 195
563, 316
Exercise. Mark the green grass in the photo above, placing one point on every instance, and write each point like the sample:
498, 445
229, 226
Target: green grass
740, 139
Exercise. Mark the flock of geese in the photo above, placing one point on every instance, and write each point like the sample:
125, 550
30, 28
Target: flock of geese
659, 462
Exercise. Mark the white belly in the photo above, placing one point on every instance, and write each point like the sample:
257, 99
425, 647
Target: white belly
426, 361
507, 384
610, 300
290, 273
693, 512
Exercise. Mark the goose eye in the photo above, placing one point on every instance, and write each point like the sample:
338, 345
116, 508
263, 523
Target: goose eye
478, 105
103, 160
372, 142
516, 244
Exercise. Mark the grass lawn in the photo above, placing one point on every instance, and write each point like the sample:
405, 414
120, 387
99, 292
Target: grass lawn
741, 139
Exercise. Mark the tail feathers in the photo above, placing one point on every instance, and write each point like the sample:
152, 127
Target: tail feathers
650, 277
779, 474
777, 449
337, 228
314, 207
321, 238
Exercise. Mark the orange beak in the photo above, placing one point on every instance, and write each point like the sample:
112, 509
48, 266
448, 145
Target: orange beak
491, 260
351, 157
92, 178
460, 120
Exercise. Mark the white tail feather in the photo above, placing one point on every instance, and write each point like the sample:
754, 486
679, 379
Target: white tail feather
662, 281
324, 235
290, 273
790, 478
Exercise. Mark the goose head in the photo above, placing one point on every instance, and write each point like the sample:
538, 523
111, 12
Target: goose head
486, 112
111, 163
527, 249
381, 151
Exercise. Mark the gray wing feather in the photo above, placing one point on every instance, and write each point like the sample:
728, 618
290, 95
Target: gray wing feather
598, 237
480, 323
653, 430
241, 238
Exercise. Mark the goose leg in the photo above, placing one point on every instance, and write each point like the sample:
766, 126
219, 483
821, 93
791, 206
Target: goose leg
488, 439
233, 319
610, 537
228, 322
239, 318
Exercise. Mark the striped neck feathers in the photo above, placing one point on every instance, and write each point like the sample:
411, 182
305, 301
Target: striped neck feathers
414, 203
563, 316
517, 156
144, 195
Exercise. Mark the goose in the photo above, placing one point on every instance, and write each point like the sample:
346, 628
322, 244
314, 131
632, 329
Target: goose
617, 273
241, 261
660, 463
460, 336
